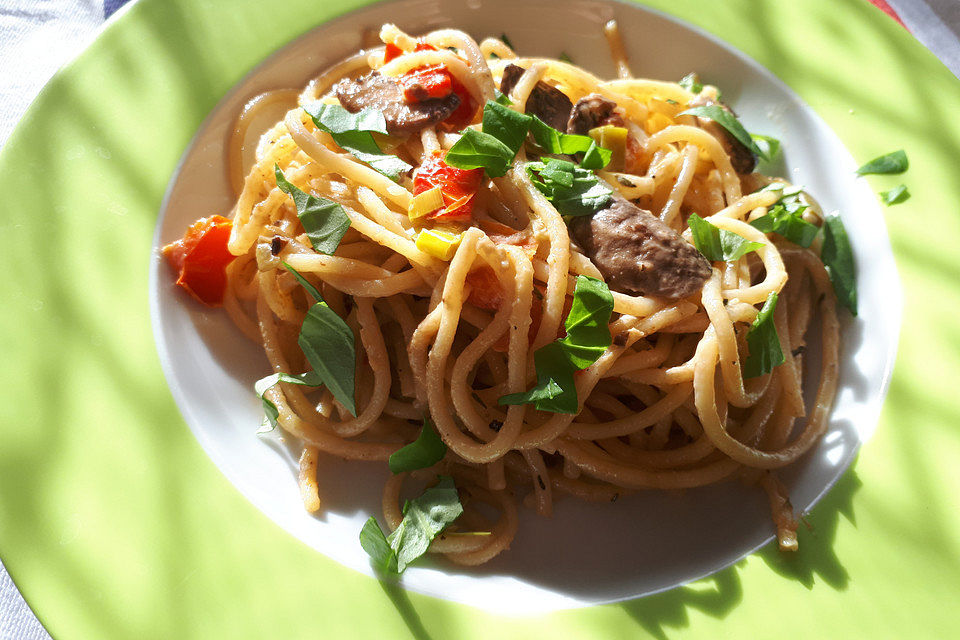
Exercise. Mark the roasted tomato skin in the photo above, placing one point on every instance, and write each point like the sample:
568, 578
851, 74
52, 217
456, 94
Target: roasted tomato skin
426, 83
458, 186
435, 81
200, 259
485, 291
390, 52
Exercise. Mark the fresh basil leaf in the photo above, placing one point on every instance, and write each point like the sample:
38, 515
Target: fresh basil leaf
502, 98
506, 125
328, 344
423, 519
596, 157
895, 196
271, 413
769, 147
785, 216
719, 244
475, 150
588, 336
335, 120
565, 58
575, 192
555, 390
506, 41
545, 389
352, 132
894, 162
691, 82
324, 221
554, 141
313, 291
792, 227
726, 120
588, 323
427, 450
560, 172
837, 257
373, 541
763, 342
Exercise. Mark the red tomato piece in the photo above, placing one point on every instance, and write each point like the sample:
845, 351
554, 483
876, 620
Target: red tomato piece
201, 257
391, 51
502, 234
458, 186
485, 291
463, 115
425, 83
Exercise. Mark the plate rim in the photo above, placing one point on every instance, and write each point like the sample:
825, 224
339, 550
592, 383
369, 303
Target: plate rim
31, 113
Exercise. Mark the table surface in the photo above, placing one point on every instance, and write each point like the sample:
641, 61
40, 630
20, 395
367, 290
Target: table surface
37, 37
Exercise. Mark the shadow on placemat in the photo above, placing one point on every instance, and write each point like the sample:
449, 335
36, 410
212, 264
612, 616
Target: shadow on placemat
814, 560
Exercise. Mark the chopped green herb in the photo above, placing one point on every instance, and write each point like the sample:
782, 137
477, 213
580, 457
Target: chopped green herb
328, 344
324, 221
574, 191
372, 540
502, 98
555, 390
726, 120
588, 322
352, 132
691, 82
423, 519
565, 58
895, 196
719, 244
763, 342
506, 41
769, 147
596, 157
271, 413
312, 290
506, 125
427, 450
785, 216
476, 150
553, 141
894, 162
588, 336
837, 257
558, 171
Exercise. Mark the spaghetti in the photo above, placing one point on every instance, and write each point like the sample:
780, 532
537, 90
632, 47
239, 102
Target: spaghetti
451, 310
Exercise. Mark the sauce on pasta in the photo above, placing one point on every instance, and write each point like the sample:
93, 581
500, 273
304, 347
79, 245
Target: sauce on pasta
453, 283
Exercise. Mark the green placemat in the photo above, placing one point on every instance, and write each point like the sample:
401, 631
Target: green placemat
115, 524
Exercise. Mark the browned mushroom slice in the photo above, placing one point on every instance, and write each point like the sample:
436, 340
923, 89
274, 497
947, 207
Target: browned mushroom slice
638, 254
593, 111
546, 102
386, 95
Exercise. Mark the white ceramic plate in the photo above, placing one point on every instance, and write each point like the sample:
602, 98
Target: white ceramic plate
586, 553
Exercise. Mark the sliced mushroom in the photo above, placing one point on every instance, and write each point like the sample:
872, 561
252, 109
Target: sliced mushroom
386, 95
546, 102
638, 254
593, 111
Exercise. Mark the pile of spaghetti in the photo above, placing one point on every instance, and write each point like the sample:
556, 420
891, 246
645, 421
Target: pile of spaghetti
512, 280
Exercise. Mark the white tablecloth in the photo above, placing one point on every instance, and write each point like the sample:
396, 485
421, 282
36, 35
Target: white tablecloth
39, 36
